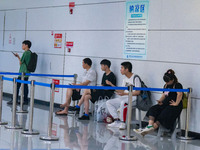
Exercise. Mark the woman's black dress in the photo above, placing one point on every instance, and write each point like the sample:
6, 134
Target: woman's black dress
165, 113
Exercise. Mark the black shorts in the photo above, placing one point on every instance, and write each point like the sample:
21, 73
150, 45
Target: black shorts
99, 94
76, 95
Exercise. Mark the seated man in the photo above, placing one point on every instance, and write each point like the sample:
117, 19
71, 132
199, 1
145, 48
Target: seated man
114, 104
108, 79
89, 78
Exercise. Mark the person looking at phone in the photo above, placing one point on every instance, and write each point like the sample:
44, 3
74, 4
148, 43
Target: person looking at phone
119, 102
23, 62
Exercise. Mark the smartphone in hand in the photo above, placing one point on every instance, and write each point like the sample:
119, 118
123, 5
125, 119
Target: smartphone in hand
14, 53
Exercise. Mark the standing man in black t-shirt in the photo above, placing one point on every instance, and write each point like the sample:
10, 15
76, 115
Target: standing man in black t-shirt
108, 79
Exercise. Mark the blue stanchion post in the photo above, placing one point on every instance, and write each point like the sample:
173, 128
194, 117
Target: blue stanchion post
13, 123
49, 136
75, 80
22, 96
128, 137
1, 100
30, 130
186, 137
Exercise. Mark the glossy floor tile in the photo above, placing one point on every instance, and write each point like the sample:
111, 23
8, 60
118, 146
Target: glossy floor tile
79, 135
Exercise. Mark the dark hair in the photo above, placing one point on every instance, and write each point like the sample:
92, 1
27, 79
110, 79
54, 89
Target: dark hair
106, 62
87, 61
27, 42
170, 75
127, 65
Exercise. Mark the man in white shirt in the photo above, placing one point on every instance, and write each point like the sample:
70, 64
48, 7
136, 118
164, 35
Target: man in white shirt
114, 104
89, 78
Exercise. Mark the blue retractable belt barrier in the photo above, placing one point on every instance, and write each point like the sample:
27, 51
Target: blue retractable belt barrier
43, 84
10, 73
85, 87
159, 89
49, 75
32, 74
119, 88
25, 82
91, 87
8, 79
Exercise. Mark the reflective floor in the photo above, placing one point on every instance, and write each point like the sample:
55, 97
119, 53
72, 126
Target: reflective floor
79, 135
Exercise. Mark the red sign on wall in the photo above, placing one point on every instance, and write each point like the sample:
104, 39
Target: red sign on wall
55, 81
58, 40
71, 7
71, 4
69, 44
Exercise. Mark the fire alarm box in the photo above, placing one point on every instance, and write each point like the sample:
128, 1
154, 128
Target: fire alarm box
69, 45
71, 7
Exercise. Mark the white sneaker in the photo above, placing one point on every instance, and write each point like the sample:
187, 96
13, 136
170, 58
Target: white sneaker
115, 124
147, 130
122, 126
139, 131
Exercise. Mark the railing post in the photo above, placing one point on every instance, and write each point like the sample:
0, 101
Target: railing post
30, 130
13, 123
128, 137
22, 96
75, 81
75, 78
186, 137
1, 100
49, 136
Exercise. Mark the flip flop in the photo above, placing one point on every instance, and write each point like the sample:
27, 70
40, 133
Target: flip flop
61, 114
64, 114
58, 111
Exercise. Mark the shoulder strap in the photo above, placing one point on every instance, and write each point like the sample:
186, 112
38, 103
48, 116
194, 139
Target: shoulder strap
136, 76
174, 85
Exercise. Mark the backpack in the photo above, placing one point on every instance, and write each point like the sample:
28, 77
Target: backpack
32, 63
184, 98
143, 101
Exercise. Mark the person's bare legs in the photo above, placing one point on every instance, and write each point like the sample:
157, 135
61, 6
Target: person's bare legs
86, 92
67, 103
68, 98
151, 120
86, 103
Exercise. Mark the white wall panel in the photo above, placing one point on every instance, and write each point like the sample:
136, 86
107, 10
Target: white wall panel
49, 64
9, 63
86, 17
153, 47
174, 46
154, 16
1, 20
13, 40
180, 14
1, 40
1, 29
91, 43
43, 42
15, 20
